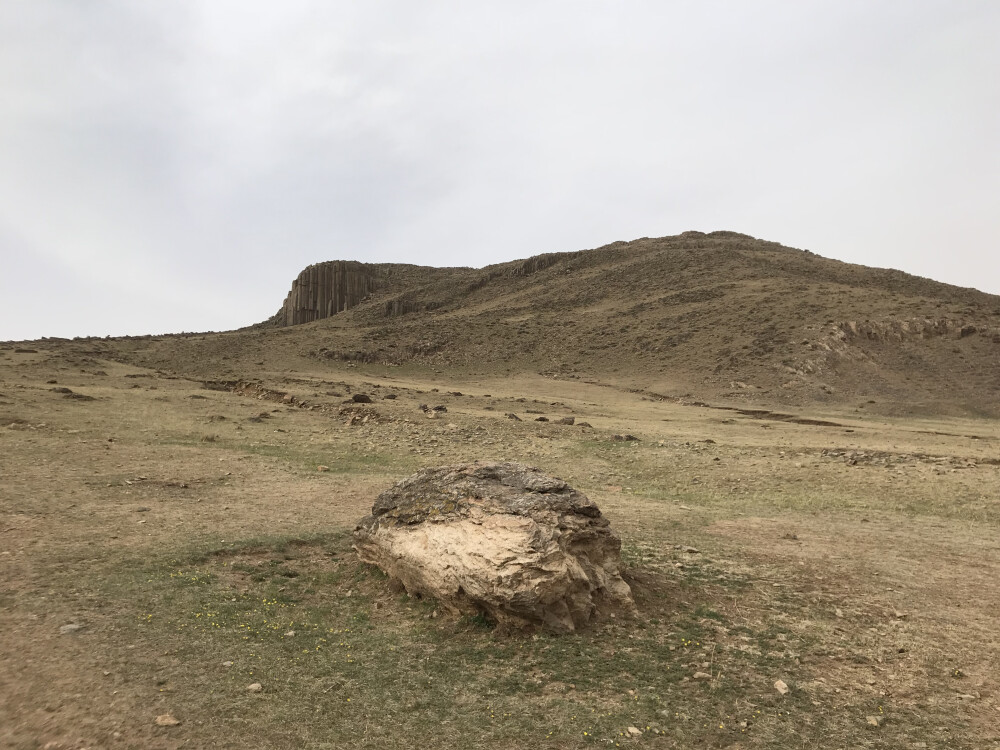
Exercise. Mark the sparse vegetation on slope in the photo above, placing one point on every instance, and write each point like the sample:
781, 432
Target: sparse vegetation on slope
715, 316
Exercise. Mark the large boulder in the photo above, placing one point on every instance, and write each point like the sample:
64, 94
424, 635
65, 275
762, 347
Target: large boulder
499, 539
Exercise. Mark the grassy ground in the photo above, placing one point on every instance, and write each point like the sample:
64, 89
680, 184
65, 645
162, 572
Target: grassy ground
201, 550
343, 661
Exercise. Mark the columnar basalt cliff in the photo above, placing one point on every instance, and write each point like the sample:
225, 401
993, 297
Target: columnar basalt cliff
325, 289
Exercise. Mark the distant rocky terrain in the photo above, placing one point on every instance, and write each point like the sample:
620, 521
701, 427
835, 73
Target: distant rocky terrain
335, 286
325, 289
717, 316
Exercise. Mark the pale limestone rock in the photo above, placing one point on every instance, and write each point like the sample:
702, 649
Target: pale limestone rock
500, 539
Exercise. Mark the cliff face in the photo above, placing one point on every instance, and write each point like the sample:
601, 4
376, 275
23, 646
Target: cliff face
325, 289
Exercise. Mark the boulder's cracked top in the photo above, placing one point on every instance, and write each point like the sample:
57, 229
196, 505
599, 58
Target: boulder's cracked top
501, 487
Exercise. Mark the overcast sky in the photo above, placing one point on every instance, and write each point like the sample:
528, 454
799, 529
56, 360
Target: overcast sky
173, 165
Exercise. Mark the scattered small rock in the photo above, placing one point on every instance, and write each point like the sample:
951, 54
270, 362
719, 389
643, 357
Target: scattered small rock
875, 721
541, 419
634, 732
321, 467
390, 397
361, 398
255, 687
624, 438
584, 424
512, 415
567, 420
781, 687
701, 676
227, 664
70, 629
142, 509
167, 720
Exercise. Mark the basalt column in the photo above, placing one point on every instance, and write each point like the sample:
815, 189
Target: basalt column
326, 289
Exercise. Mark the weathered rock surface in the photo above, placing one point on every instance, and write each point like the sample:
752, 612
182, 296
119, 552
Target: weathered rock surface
499, 539
325, 289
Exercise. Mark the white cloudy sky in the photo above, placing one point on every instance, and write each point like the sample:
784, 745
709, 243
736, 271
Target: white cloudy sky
169, 166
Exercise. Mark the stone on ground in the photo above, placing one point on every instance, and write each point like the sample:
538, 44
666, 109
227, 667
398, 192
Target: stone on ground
498, 539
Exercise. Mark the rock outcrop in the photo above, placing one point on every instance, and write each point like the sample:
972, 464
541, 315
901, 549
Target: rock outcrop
498, 539
325, 289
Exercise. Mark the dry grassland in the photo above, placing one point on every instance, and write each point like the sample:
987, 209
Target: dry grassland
190, 535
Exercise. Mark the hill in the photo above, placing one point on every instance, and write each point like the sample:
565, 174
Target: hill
719, 315
178, 564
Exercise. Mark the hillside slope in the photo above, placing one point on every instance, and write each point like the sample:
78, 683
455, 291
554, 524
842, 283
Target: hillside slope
719, 315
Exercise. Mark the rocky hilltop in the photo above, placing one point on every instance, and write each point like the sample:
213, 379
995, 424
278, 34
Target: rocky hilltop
336, 286
704, 316
327, 288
